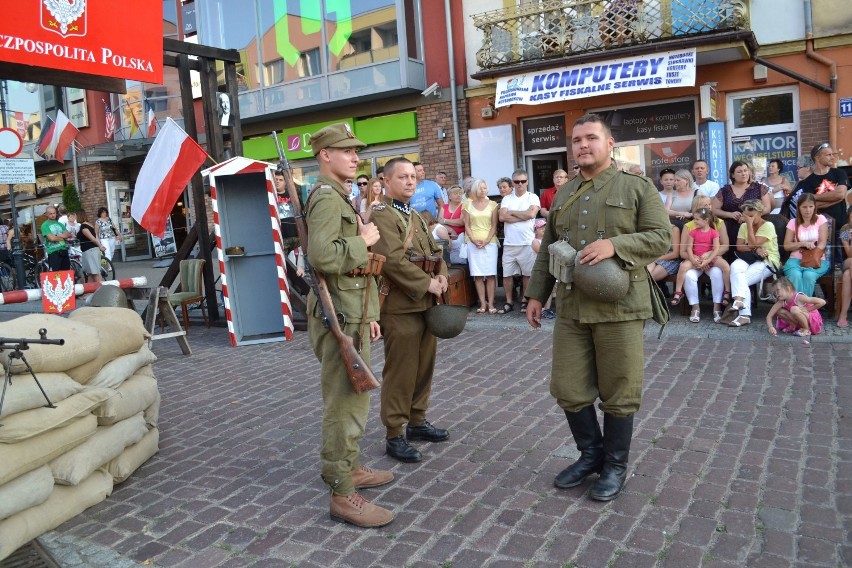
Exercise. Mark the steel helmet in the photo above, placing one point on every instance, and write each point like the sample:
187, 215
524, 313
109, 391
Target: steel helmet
605, 281
446, 321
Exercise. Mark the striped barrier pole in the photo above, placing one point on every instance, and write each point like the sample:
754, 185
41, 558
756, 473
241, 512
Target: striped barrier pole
34, 294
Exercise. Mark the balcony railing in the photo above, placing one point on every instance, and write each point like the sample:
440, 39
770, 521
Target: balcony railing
544, 29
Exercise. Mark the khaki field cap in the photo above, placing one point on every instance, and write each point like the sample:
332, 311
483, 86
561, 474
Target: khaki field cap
334, 136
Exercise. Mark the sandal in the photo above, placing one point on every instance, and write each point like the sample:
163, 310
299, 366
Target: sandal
717, 316
695, 317
726, 299
523, 307
480, 311
678, 296
492, 311
842, 323
507, 307
737, 305
740, 321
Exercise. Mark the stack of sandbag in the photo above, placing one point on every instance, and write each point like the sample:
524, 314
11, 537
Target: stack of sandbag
57, 462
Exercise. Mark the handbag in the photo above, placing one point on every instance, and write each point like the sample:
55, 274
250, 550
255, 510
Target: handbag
811, 258
750, 257
463, 246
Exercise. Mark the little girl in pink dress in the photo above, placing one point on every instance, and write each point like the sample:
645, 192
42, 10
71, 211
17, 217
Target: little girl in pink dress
797, 314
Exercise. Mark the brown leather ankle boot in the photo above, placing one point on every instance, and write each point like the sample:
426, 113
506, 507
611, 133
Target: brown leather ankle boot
363, 477
356, 510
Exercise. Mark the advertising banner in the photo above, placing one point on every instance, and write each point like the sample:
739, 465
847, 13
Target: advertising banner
757, 150
712, 147
639, 73
544, 133
667, 120
677, 155
85, 36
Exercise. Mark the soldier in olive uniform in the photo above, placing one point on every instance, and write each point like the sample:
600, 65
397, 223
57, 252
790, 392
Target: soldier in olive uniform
597, 346
409, 347
337, 245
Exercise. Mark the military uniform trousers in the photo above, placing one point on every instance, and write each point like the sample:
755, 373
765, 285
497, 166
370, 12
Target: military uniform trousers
410, 351
344, 412
598, 360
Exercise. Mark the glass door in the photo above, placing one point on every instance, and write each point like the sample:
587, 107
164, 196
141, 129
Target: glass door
135, 243
540, 168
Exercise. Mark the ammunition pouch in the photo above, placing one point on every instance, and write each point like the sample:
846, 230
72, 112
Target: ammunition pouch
430, 264
375, 263
562, 256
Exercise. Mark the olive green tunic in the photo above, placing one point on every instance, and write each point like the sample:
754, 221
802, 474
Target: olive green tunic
598, 346
334, 249
409, 347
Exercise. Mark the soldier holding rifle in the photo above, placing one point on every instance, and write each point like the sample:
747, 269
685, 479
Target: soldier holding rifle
338, 249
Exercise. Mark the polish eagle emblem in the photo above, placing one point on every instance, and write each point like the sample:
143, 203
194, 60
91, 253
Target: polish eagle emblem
59, 294
65, 17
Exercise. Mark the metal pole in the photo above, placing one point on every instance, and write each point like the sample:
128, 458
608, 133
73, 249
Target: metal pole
453, 97
17, 253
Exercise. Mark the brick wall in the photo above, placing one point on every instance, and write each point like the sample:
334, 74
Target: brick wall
92, 177
440, 154
813, 126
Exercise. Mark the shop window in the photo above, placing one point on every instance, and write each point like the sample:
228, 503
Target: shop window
763, 110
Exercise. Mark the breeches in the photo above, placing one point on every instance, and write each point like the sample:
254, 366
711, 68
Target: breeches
598, 360
344, 414
407, 375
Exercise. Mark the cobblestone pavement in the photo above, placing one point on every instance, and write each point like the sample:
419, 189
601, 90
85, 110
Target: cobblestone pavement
741, 457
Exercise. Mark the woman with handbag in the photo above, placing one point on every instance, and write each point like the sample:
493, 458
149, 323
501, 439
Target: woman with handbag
757, 259
806, 240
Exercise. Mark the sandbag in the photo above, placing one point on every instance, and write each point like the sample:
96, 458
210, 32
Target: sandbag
63, 504
134, 456
146, 370
24, 425
81, 343
134, 395
17, 459
119, 370
152, 413
120, 331
24, 394
108, 442
28, 490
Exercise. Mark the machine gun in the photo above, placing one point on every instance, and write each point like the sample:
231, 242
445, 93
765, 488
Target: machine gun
17, 347
359, 373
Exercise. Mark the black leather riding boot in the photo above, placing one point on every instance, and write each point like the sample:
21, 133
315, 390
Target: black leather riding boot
618, 431
587, 435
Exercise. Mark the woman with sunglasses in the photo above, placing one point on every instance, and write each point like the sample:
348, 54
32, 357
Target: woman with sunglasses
757, 259
728, 202
370, 197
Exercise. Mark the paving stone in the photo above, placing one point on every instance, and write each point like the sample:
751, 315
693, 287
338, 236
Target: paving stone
730, 466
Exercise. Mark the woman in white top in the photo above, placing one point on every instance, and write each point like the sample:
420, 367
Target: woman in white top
777, 184
370, 197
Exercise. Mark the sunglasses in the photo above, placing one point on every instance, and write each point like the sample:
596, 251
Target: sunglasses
519, 181
749, 208
362, 183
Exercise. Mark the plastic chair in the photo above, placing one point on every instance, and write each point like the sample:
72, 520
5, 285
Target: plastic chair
191, 274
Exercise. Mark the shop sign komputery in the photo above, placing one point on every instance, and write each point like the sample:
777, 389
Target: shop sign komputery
85, 36
640, 73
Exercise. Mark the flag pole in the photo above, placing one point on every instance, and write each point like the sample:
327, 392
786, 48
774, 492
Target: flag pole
73, 147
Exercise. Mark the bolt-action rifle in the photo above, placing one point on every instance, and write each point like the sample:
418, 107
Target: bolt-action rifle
359, 373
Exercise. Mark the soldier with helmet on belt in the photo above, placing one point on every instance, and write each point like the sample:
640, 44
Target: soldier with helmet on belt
338, 244
614, 224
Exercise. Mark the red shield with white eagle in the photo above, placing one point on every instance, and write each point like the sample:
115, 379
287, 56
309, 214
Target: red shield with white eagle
57, 292
65, 17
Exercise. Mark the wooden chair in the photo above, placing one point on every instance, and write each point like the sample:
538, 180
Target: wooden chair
191, 289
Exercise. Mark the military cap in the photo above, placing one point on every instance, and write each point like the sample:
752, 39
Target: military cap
337, 135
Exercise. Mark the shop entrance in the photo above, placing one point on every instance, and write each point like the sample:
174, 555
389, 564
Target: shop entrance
134, 244
540, 168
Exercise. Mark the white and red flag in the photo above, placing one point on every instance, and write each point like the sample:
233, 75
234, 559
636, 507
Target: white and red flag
56, 138
171, 162
152, 121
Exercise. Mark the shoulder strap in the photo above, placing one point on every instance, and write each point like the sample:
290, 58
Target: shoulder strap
409, 228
